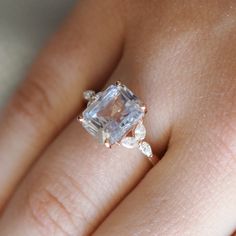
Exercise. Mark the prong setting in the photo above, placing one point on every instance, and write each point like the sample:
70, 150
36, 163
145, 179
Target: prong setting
80, 119
118, 83
107, 143
144, 108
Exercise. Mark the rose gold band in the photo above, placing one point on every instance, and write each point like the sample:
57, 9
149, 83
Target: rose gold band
153, 159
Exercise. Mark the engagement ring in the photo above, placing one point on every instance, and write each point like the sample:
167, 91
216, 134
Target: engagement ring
115, 116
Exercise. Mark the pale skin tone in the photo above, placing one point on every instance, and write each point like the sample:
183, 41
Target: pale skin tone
180, 58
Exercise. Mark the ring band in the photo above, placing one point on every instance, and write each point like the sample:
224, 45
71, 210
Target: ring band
115, 116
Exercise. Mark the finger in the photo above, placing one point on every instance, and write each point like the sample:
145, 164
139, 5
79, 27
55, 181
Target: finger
72, 188
80, 56
189, 192
77, 182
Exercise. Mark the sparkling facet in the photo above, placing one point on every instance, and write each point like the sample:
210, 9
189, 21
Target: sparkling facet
140, 132
129, 142
146, 149
102, 136
117, 110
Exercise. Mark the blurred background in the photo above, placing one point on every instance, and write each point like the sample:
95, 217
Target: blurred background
25, 25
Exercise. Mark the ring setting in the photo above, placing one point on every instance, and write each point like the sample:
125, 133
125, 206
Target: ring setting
115, 116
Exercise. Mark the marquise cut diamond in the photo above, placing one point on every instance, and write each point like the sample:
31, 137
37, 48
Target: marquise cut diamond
140, 132
146, 149
129, 142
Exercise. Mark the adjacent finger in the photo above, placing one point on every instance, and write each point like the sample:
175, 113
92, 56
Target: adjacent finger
191, 191
80, 56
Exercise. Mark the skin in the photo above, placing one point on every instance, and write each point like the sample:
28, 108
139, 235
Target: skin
179, 57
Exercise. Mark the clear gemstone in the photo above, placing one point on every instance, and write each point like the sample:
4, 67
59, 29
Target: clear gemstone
129, 142
140, 132
146, 149
117, 110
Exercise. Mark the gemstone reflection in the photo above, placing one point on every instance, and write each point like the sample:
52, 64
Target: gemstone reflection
115, 112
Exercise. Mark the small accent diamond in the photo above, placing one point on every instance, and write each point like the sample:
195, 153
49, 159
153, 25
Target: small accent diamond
129, 142
88, 95
140, 132
146, 149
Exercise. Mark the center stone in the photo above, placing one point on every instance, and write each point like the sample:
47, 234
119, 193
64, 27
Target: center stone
116, 111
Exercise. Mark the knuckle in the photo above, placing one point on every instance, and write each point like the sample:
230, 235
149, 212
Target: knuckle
49, 214
33, 99
56, 207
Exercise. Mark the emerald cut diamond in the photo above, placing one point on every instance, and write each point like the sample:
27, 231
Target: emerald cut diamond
113, 114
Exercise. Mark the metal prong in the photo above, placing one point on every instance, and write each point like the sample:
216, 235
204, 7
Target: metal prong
107, 143
80, 119
118, 83
144, 108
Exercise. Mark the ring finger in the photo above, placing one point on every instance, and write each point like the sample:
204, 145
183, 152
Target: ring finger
75, 184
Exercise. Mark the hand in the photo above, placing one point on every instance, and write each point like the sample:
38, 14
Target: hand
179, 57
